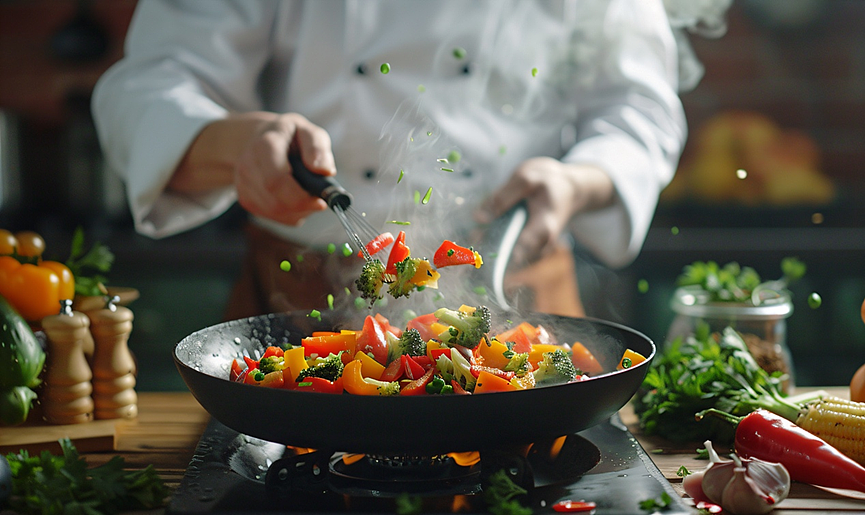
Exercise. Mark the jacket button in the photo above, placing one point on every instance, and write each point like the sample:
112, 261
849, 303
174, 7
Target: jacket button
360, 69
369, 174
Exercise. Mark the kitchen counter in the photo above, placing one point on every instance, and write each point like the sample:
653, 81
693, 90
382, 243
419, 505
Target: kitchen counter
170, 423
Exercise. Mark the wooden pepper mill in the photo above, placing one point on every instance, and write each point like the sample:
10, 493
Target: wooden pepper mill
113, 364
66, 392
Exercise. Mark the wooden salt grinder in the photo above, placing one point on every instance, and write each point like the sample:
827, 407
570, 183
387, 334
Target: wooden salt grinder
66, 393
113, 364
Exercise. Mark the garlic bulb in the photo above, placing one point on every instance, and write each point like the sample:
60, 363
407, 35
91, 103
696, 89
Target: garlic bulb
739, 486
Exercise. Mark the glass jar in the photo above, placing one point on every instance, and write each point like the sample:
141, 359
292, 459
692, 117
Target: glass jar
763, 327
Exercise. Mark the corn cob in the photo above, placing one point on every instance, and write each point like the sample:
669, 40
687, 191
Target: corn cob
840, 422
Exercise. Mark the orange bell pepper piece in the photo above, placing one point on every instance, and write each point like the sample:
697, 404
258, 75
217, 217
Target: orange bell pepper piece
629, 359
489, 382
584, 360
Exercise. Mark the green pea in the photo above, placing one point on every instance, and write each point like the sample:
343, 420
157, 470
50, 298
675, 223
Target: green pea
459, 53
284, 265
331, 248
346, 250
359, 303
642, 286
447, 389
480, 290
454, 156
814, 300
385, 68
258, 376
674, 230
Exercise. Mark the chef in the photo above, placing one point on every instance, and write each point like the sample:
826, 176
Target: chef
569, 107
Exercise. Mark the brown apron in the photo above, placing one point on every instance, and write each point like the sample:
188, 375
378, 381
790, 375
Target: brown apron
263, 287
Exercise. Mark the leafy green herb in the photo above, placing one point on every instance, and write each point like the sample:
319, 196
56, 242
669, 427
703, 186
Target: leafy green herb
704, 371
88, 267
500, 495
427, 196
50, 484
683, 471
316, 314
661, 503
733, 283
407, 504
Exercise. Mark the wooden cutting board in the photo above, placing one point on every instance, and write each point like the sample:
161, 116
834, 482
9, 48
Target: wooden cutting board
36, 436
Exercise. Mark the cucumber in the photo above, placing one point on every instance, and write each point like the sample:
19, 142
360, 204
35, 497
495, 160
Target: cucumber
21, 355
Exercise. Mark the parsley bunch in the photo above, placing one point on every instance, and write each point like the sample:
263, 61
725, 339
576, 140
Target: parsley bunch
49, 484
735, 283
88, 267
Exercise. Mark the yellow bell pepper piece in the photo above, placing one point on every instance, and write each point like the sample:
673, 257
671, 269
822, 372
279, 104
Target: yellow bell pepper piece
369, 366
294, 362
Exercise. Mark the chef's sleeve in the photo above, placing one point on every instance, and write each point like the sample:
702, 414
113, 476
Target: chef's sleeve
185, 65
631, 124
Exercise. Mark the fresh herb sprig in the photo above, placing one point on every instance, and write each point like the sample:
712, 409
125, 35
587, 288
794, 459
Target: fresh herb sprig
49, 484
88, 267
735, 283
706, 370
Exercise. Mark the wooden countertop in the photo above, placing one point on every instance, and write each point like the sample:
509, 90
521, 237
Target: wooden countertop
169, 426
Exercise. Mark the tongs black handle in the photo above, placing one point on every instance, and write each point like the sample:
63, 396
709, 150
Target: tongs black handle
321, 186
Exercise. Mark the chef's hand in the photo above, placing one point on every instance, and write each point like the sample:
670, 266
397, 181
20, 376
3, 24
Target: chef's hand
554, 192
250, 151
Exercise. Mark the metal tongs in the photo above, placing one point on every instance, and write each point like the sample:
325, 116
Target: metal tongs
339, 200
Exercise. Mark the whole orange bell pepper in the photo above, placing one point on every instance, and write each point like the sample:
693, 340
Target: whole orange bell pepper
35, 291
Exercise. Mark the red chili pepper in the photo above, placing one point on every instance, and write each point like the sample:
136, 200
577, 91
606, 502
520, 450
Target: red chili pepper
808, 458
449, 254
378, 243
568, 506
398, 253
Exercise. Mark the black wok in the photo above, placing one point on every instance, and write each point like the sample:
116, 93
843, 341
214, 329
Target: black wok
425, 424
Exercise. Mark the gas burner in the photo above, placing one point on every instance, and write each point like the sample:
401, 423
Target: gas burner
233, 473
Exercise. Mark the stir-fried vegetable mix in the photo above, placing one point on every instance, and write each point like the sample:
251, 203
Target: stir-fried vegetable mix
446, 352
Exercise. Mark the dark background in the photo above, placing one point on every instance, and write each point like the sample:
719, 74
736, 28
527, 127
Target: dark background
802, 72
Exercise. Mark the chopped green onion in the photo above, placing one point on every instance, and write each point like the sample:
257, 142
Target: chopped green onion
347, 291
450, 252
305, 383
442, 160
331, 248
329, 301
534, 72
385, 68
814, 300
459, 52
316, 314
642, 286
429, 133
346, 250
399, 222
480, 290
416, 197
447, 169
284, 265
454, 156
426, 197
401, 173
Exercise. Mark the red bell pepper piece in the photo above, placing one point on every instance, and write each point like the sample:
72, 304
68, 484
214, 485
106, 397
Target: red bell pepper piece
423, 361
398, 253
394, 371
449, 254
319, 384
418, 386
236, 370
377, 244
808, 458
477, 369
250, 363
435, 353
411, 367
273, 351
372, 340
423, 324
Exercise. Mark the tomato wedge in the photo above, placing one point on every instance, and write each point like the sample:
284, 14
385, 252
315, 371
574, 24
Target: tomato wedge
450, 254
398, 253
377, 244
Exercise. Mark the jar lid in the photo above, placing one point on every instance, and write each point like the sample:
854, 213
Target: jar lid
694, 301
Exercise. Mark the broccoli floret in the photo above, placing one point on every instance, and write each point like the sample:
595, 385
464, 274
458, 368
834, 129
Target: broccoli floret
519, 364
556, 367
383, 387
270, 364
466, 330
371, 280
329, 368
405, 271
411, 343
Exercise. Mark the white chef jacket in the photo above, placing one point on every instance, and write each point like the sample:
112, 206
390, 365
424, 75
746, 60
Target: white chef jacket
473, 89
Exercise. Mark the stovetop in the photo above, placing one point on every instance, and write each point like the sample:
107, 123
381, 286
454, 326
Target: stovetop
229, 474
